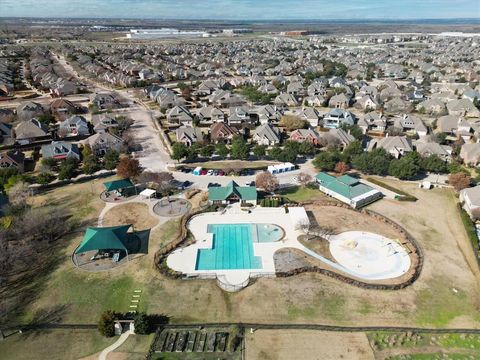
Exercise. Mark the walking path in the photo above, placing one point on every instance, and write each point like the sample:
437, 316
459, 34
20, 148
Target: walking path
103, 355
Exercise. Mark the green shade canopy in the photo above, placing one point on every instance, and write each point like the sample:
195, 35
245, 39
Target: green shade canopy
224, 192
101, 238
117, 184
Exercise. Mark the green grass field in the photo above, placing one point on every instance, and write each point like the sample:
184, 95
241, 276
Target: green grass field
301, 193
53, 345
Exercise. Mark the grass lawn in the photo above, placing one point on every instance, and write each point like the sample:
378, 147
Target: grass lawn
425, 346
53, 345
136, 347
301, 193
438, 304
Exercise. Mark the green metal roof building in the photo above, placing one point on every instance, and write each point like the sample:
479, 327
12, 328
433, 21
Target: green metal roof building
347, 189
232, 193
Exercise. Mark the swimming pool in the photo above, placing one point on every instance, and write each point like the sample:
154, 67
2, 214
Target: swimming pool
232, 246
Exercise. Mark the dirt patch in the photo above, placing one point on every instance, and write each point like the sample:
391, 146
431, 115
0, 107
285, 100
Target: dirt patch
340, 219
134, 213
290, 259
307, 344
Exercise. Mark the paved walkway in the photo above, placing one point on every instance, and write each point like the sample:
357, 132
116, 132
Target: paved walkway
103, 355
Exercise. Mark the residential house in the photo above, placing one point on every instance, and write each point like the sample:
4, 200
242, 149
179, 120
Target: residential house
367, 102
210, 114
337, 117
336, 137
222, 132
267, 134
29, 110
74, 126
12, 159
397, 105
5, 133
267, 113
309, 114
60, 150
102, 142
30, 130
470, 199
103, 122
285, 100
62, 109
315, 100
104, 101
470, 154
239, 115
305, 135
373, 122
340, 101
189, 135
410, 124
180, 115
433, 107
397, 146
428, 148
462, 107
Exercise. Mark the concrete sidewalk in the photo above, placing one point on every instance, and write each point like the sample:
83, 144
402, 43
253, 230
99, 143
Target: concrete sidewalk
103, 355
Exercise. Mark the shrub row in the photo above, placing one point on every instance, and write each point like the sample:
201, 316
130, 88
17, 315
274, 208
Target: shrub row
271, 202
404, 195
471, 231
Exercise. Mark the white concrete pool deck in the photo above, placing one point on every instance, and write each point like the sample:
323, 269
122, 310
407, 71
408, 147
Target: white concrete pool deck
184, 259
379, 263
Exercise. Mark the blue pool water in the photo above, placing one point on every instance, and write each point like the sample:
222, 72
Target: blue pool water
232, 246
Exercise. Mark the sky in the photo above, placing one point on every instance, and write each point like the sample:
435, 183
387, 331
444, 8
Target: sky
243, 9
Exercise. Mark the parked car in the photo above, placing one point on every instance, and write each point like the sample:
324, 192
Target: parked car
203, 172
210, 172
221, 173
215, 172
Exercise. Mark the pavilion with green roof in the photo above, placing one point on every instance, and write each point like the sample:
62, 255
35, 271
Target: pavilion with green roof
104, 238
347, 189
232, 192
116, 185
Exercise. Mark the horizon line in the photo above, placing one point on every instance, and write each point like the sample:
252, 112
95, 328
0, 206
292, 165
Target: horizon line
476, 19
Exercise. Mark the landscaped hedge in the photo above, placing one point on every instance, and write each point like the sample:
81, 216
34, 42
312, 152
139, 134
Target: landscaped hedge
404, 196
271, 202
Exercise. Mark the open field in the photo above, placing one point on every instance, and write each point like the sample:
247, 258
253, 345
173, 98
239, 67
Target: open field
136, 214
306, 345
79, 297
53, 345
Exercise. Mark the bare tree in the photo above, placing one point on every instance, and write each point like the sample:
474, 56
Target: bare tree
303, 225
161, 181
266, 181
304, 179
18, 194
